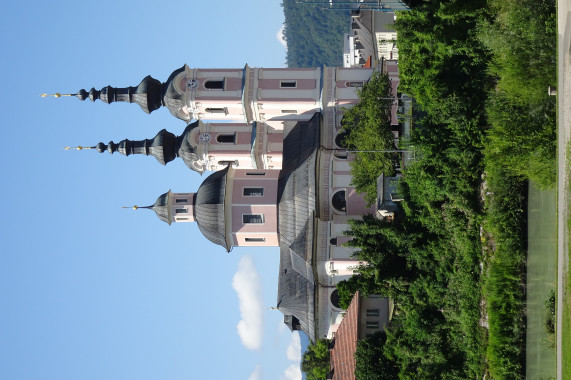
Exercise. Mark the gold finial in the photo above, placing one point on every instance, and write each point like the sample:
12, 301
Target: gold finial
56, 95
78, 147
134, 207
273, 308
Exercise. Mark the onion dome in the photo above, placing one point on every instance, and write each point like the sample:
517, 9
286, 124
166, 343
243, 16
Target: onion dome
161, 207
165, 147
147, 94
150, 95
209, 208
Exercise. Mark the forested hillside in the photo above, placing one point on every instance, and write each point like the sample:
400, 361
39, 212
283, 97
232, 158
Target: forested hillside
314, 35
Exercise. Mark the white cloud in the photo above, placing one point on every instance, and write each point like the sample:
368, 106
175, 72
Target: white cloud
293, 372
257, 374
248, 285
293, 351
280, 36
282, 327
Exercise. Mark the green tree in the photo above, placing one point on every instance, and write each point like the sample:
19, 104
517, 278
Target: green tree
315, 362
372, 363
367, 128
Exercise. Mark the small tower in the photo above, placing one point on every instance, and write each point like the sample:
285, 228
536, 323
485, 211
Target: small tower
173, 207
231, 208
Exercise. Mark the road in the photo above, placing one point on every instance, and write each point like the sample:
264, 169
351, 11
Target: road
564, 123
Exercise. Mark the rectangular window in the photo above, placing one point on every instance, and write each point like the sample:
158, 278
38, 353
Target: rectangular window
288, 84
180, 200
181, 219
180, 211
226, 138
289, 111
256, 173
217, 110
372, 325
372, 312
354, 84
252, 218
255, 240
214, 84
253, 191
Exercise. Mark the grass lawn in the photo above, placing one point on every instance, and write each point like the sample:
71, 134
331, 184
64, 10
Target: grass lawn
541, 280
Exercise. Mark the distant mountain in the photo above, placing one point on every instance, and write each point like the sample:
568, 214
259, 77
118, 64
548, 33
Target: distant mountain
314, 34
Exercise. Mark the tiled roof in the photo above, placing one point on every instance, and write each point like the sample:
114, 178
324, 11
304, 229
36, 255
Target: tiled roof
345, 345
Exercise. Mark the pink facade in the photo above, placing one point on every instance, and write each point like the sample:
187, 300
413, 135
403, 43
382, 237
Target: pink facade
356, 204
254, 208
296, 84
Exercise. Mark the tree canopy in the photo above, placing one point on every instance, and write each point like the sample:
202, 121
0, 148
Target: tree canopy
315, 362
367, 128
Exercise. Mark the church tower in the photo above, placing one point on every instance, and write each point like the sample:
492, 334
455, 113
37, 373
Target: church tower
247, 95
208, 146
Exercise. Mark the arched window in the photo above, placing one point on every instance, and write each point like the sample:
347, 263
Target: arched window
333, 241
335, 299
224, 138
214, 84
339, 202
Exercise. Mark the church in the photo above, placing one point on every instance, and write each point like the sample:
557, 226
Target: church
272, 138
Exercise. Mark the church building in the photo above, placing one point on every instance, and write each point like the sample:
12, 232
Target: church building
280, 175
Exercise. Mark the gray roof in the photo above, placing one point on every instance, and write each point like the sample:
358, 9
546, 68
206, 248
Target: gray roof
297, 200
296, 186
172, 99
296, 292
161, 207
209, 208
186, 149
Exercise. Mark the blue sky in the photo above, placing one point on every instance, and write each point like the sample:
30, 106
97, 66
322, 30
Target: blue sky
93, 291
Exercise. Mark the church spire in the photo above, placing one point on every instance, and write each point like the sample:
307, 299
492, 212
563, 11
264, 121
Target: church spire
150, 94
165, 147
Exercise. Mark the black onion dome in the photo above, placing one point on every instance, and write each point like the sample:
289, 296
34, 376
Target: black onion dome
209, 208
162, 147
172, 99
165, 147
148, 94
161, 207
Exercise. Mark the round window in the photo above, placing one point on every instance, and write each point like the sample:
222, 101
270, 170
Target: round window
339, 202
340, 139
335, 300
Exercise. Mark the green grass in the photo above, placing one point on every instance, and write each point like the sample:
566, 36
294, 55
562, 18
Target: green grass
541, 275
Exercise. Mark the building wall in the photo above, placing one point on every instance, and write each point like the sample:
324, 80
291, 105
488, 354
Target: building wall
374, 315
